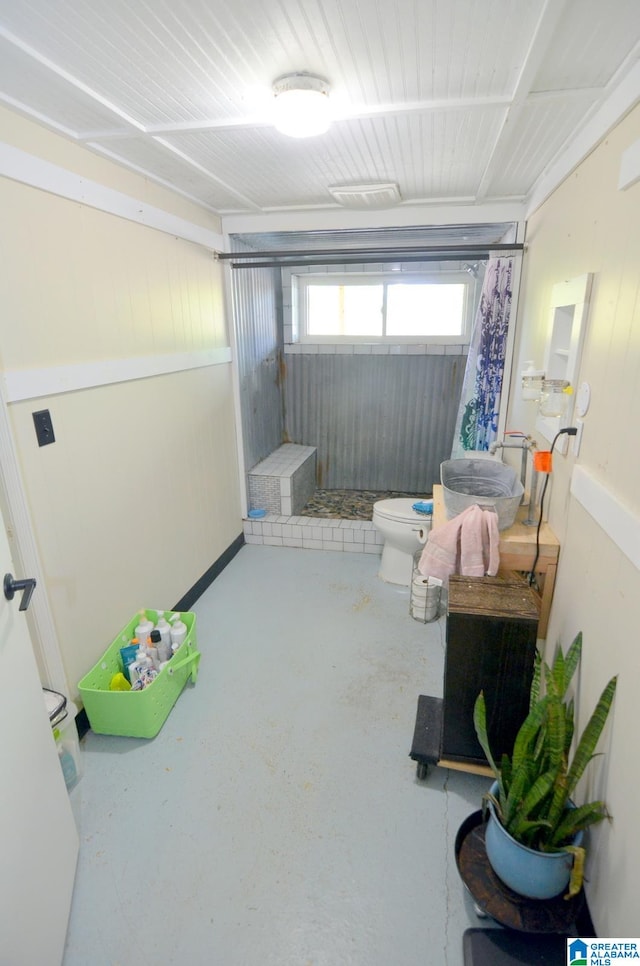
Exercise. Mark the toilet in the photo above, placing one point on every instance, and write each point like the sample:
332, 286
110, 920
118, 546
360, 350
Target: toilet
404, 530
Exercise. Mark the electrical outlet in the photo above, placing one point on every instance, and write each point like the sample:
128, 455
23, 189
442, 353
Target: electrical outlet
577, 439
44, 427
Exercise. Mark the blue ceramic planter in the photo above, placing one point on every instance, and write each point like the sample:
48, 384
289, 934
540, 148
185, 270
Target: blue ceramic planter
536, 875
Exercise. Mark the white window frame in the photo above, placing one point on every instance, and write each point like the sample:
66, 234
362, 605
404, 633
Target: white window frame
303, 281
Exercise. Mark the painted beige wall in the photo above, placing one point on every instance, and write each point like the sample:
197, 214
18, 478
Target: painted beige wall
139, 494
37, 140
588, 225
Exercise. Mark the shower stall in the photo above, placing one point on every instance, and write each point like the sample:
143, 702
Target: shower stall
381, 417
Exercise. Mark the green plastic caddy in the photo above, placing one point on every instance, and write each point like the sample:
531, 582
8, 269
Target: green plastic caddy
138, 714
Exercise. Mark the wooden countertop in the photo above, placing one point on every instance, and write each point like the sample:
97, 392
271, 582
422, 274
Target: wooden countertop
517, 540
518, 551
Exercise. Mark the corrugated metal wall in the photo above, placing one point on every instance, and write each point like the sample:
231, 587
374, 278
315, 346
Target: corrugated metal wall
257, 324
379, 421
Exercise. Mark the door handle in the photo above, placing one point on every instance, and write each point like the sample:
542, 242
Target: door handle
12, 586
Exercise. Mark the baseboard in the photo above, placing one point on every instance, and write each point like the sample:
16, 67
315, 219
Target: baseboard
188, 600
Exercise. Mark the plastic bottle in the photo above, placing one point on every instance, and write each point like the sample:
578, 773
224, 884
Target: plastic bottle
144, 628
178, 631
119, 682
163, 647
146, 673
139, 666
153, 649
165, 633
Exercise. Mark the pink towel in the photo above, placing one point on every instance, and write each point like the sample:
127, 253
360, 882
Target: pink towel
467, 545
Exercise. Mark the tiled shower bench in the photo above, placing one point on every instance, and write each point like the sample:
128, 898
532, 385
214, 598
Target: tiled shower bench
282, 484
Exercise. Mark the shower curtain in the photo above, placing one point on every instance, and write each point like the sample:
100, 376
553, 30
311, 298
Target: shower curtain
477, 421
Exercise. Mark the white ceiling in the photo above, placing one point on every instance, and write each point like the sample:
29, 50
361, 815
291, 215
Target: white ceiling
458, 102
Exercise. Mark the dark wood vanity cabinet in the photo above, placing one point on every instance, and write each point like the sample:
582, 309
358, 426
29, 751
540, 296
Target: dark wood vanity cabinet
492, 625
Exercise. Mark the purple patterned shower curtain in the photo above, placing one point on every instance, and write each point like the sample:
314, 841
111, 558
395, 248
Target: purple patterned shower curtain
477, 422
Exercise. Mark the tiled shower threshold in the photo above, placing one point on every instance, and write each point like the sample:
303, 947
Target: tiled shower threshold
314, 533
331, 520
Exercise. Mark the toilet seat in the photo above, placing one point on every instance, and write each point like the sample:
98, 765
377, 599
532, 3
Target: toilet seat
400, 510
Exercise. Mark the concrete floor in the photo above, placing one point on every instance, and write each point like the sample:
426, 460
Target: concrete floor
276, 819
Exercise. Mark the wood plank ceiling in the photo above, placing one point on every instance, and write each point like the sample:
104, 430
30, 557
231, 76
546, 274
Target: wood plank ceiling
456, 102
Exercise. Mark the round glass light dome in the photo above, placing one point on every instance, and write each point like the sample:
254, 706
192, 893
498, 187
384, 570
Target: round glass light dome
301, 107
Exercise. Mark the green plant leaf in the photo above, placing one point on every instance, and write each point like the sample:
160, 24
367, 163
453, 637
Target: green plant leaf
575, 819
590, 735
480, 723
572, 659
536, 783
577, 870
556, 730
538, 753
488, 797
534, 693
560, 798
506, 775
528, 732
521, 780
556, 675
536, 794
527, 832
570, 715
556, 750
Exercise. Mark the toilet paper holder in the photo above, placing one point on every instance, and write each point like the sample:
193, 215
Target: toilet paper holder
426, 592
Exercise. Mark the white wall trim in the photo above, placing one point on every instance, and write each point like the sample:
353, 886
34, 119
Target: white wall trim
229, 302
620, 522
16, 518
38, 173
630, 166
622, 100
337, 218
20, 384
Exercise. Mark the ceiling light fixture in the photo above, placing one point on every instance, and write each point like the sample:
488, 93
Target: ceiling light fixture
301, 105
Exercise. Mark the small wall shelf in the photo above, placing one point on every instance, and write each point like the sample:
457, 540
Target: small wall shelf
567, 324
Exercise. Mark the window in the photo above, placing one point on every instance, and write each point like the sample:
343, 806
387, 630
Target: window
384, 308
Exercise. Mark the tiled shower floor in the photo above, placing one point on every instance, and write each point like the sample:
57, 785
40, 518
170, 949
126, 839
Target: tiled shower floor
331, 520
349, 504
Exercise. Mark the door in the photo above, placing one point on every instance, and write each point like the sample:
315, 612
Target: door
38, 836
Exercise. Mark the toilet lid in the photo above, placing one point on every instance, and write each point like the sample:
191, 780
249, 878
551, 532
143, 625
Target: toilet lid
400, 509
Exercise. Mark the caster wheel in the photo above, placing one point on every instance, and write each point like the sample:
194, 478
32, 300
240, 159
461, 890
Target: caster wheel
422, 771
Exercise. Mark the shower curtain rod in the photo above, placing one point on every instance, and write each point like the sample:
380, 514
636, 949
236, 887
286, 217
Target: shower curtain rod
362, 260
383, 255
453, 251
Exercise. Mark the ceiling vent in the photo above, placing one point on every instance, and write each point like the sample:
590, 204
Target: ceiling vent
366, 195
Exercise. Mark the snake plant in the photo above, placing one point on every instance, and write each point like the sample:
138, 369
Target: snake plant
535, 783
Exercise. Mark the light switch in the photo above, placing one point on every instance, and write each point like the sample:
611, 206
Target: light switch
44, 427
